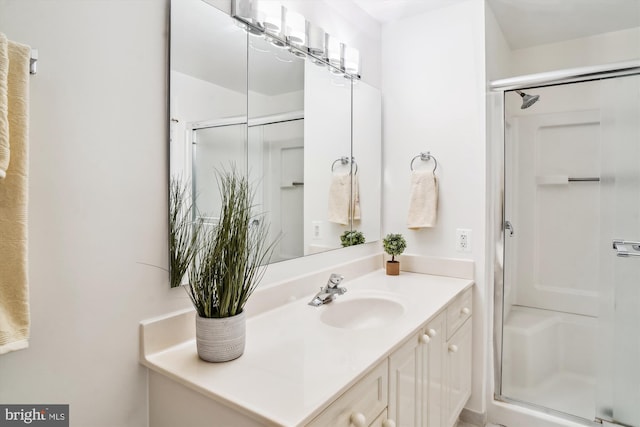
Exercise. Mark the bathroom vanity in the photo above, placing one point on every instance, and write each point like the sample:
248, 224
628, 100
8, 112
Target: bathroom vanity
391, 351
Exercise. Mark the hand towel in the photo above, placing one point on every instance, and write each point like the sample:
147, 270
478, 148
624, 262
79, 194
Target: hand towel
4, 106
339, 194
423, 200
355, 197
14, 290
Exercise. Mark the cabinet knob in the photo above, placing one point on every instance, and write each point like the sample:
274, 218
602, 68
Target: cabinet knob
388, 423
465, 311
425, 338
432, 332
358, 419
453, 348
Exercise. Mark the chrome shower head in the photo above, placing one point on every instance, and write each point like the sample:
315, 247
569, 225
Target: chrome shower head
527, 100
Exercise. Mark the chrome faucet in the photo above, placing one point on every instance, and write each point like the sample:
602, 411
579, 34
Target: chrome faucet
329, 292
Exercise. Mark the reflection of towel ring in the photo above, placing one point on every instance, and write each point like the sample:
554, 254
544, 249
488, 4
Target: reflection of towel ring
425, 157
344, 160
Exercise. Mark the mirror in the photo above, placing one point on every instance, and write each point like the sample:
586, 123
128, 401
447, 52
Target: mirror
291, 124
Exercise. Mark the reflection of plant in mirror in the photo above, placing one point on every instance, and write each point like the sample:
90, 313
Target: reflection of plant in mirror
394, 244
351, 238
230, 256
183, 232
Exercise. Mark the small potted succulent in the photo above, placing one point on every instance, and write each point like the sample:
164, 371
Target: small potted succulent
394, 244
351, 238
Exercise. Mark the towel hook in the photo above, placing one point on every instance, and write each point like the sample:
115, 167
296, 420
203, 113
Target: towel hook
425, 157
344, 160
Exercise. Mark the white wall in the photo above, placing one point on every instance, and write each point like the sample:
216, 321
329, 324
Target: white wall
98, 203
98, 206
433, 85
604, 48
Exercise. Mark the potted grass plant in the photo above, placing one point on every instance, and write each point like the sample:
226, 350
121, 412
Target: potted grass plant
227, 262
183, 232
394, 244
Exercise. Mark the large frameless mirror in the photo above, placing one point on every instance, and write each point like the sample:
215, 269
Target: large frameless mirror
282, 118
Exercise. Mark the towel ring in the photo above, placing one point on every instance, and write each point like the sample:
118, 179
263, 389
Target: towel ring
344, 160
425, 157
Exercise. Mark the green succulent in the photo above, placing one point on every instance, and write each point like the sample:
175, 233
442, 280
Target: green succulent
394, 244
351, 238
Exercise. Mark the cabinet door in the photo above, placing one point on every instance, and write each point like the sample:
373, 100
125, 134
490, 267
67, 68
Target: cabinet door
405, 385
360, 405
432, 401
457, 385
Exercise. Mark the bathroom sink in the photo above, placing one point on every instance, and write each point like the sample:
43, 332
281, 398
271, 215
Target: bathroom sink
362, 312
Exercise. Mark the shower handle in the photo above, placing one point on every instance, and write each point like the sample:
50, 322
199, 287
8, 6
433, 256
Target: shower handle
626, 248
509, 226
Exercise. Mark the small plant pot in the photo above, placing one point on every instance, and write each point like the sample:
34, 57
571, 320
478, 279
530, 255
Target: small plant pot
393, 268
220, 339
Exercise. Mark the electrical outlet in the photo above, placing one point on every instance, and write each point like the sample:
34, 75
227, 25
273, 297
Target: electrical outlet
317, 229
463, 240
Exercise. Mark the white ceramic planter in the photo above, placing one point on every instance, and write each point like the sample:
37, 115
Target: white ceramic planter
220, 339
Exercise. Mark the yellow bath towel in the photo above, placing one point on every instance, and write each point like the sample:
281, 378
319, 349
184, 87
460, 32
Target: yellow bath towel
14, 289
4, 105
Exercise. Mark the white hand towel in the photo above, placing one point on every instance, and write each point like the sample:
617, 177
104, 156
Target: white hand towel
14, 288
4, 106
339, 193
423, 200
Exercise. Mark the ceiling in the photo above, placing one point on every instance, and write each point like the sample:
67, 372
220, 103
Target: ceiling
527, 23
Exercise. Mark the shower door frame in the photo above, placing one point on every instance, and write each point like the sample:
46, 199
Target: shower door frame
499, 87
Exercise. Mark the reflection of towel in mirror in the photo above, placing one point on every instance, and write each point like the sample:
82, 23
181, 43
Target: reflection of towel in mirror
423, 200
339, 191
356, 198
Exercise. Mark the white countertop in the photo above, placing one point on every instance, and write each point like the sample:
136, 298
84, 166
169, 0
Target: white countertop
294, 365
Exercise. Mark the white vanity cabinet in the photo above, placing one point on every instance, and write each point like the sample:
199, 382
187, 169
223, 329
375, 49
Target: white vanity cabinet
413, 372
430, 375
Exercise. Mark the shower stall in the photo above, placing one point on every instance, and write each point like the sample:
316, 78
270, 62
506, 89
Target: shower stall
270, 150
567, 282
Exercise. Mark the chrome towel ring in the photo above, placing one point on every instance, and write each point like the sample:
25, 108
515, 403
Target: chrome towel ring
344, 160
425, 157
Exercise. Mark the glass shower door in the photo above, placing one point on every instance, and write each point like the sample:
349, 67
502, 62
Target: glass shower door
618, 389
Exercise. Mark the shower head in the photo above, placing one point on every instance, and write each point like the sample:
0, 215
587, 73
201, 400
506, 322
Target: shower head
527, 100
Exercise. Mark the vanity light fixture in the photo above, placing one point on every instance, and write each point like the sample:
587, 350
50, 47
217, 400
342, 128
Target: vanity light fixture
351, 61
295, 28
284, 28
272, 14
252, 19
335, 54
315, 40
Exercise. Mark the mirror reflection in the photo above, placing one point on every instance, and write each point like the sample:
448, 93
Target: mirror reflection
286, 121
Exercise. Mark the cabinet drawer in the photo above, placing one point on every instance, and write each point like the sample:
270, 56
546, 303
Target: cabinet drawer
458, 311
367, 398
380, 421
